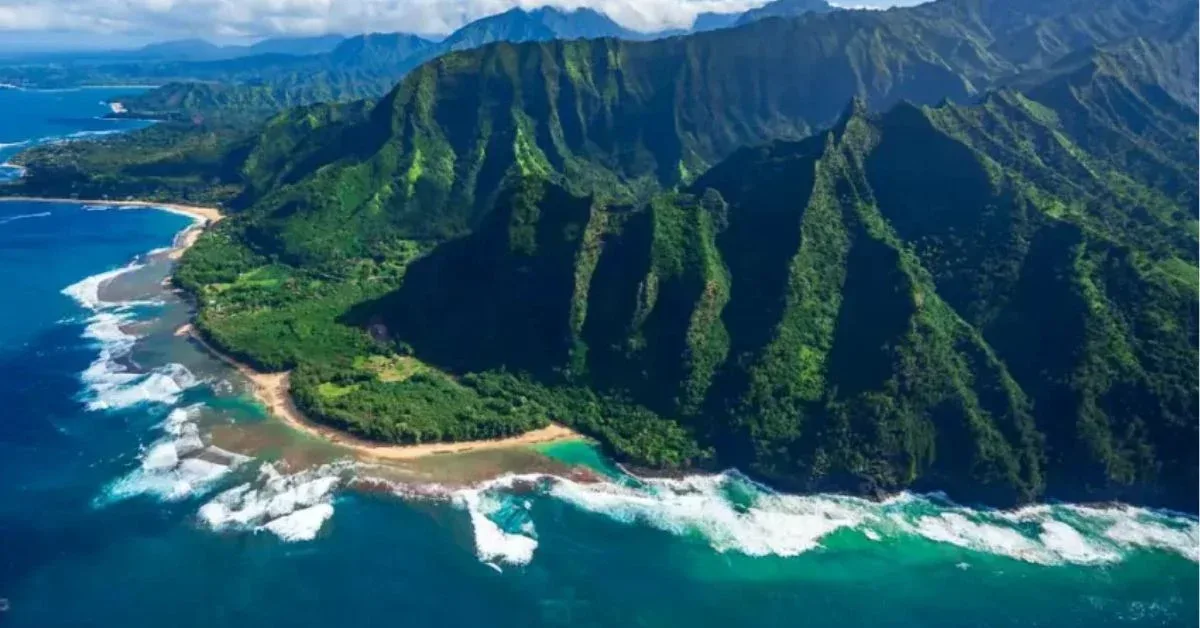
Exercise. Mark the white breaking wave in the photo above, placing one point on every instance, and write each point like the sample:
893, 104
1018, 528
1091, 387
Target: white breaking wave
4, 145
485, 504
112, 388
775, 524
87, 290
730, 513
301, 525
293, 507
5, 221
110, 385
177, 466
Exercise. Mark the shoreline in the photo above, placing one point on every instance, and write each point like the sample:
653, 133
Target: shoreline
208, 215
272, 390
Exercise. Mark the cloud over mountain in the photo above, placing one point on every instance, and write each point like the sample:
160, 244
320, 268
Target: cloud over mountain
261, 18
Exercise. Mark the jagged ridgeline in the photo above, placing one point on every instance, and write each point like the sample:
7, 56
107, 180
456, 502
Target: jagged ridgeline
626, 118
958, 297
694, 250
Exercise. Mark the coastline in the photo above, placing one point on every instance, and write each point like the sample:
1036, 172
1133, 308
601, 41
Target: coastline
272, 390
208, 215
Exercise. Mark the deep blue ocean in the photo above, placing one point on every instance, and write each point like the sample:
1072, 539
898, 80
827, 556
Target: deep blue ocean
142, 486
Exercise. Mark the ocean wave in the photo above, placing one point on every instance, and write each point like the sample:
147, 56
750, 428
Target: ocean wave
177, 466
87, 290
732, 514
503, 529
4, 145
293, 507
8, 219
110, 385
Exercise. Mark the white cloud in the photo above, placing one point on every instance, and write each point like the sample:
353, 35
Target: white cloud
261, 18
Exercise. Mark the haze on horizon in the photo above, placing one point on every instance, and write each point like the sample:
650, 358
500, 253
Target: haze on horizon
98, 24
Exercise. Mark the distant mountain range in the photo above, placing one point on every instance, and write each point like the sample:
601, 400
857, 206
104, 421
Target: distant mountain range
783, 8
277, 73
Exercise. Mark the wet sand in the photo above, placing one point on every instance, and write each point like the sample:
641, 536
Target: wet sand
272, 390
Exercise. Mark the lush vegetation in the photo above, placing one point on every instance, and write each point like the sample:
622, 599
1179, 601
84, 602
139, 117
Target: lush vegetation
172, 162
994, 298
920, 298
198, 78
351, 373
624, 119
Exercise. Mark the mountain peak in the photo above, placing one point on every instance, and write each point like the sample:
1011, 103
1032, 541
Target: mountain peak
785, 8
541, 24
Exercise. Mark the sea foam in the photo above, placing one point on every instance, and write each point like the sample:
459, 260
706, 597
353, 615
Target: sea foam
293, 507
775, 524
110, 386
177, 466
87, 290
490, 505
730, 513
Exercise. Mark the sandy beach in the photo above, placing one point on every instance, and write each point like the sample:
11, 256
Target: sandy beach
272, 390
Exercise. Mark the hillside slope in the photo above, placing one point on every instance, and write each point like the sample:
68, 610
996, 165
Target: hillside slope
631, 117
994, 297
952, 298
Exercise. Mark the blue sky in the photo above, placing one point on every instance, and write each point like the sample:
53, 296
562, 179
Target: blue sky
98, 23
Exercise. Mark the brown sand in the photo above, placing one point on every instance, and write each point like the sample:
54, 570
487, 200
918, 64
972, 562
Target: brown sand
186, 240
272, 390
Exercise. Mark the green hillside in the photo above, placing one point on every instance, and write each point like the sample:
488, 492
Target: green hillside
627, 118
891, 303
695, 251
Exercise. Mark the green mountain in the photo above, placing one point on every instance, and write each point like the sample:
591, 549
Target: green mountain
546, 23
255, 87
784, 8
365, 66
382, 51
958, 298
980, 277
315, 45
713, 21
180, 50
626, 117
202, 50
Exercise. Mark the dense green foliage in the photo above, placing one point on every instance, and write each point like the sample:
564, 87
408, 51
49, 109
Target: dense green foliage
626, 118
911, 299
348, 373
260, 80
169, 162
995, 298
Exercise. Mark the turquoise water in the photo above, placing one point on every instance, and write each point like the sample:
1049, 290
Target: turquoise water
142, 489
